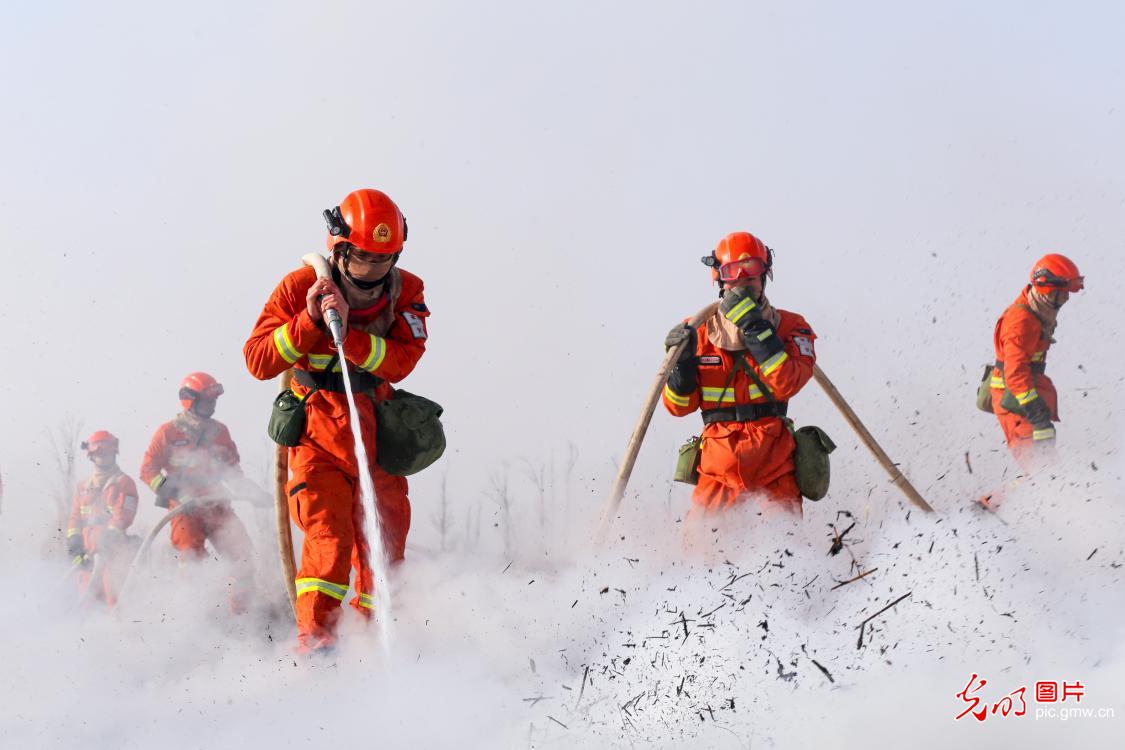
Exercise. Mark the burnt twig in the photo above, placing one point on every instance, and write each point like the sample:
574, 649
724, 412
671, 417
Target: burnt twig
853, 580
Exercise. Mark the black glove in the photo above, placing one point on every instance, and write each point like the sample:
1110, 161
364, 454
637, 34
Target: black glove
678, 334
75, 547
684, 375
739, 307
1039, 415
762, 342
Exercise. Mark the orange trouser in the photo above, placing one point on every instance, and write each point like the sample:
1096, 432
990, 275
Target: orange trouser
218, 523
741, 458
114, 560
325, 504
1018, 433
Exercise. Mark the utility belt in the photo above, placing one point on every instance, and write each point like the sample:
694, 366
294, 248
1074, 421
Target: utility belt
325, 380
1037, 368
745, 412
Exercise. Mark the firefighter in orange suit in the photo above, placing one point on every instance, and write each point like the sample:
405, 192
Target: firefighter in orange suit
188, 459
104, 507
384, 315
746, 443
1023, 397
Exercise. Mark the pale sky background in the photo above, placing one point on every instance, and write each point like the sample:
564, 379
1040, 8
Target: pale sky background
563, 168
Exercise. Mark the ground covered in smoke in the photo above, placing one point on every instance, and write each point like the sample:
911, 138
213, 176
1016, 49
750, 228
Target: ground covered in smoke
748, 631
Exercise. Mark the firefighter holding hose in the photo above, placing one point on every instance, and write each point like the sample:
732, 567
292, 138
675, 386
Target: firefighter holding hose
383, 314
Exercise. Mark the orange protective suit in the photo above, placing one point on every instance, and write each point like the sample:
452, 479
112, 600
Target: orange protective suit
738, 458
1021, 346
104, 507
323, 488
193, 457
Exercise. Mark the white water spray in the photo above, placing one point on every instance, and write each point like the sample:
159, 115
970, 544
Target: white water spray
372, 528
377, 558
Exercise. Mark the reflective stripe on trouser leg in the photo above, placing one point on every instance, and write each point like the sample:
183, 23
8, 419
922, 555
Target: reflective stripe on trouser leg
323, 510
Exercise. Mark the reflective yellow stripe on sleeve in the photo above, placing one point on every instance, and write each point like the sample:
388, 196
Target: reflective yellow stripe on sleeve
774, 362
1027, 397
284, 344
366, 600
72, 532
1047, 433
309, 585
1038, 356
676, 398
378, 352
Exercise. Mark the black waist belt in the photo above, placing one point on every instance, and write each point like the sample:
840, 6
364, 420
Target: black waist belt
745, 412
334, 381
1037, 368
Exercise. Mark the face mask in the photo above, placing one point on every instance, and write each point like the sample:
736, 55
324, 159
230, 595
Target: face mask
203, 407
103, 459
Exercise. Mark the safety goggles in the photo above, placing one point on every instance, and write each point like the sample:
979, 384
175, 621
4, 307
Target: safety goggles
372, 259
1043, 277
747, 268
100, 449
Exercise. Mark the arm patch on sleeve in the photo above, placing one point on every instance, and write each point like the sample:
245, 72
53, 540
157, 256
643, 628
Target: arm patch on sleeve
417, 325
805, 346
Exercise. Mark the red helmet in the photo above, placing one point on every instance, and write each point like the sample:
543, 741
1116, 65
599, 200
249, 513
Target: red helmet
1054, 271
369, 220
99, 441
740, 255
199, 384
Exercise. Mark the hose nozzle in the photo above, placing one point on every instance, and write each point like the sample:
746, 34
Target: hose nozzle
335, 325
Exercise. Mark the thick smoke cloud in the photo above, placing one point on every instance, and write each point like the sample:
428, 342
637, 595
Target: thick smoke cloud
563, 169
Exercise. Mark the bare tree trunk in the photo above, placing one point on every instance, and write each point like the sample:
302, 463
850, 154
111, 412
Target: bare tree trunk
537, 474
502, 496
571, 463
64, 449
441, 519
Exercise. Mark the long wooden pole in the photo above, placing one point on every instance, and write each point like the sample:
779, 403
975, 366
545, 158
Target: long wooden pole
868, 440
633, 447
638, 436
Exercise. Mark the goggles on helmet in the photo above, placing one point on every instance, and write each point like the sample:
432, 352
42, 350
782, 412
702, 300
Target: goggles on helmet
372, 259
1045, 278
100, 448
210, 393
747, 268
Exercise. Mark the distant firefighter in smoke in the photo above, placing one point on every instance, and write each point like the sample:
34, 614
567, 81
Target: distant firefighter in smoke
104, 506
187, 461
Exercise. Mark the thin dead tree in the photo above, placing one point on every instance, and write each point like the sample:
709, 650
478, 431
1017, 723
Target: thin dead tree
571, 464
537, 475
500, 492
440, 518
64, 454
